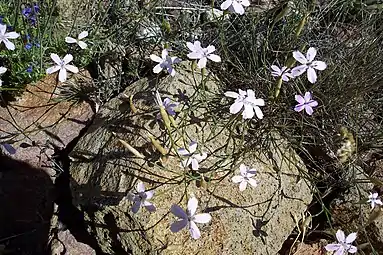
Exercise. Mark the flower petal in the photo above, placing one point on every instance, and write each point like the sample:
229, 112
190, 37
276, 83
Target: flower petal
248, 112
238, 8
311, 53
313, 103
202, 218
194, 55
193, 147
309, 110
225, 5
171, 71
299, 107
149, 206
68, 58
245, 3
252, 182
307, 97
250, 93
276, 69
259, 102
56, 58
3, 29
194, 231
352, 249
298, 56
332, 247
178, 225
82, 44
237, 179
156, 58
195, 165
311, 75
243, 169
202, 62
210, 49
82, 35
319, 65
3, 70
71, 68
214, 57
351, 238
192, 205
298, 70
130, 196
164, 54
62, 75
236, 107
70, 40
12, 35
190, 46
178, 211
340, 236
299, 99
200, 156
157, 68
149, 194
258, 112
183, 152
9, 44
140, 187
231, 94
175, 60
136, 206
53, 69
340, 251
9, 148
242, 185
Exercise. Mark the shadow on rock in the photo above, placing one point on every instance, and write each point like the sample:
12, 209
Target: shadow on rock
26, 199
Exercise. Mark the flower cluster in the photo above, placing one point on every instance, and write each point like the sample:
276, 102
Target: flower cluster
62, 65
308, 65
30, 13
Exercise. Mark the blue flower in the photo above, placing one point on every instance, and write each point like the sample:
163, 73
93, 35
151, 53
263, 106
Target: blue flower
9, 148
37, 44
26, 12
36, 8
28, 46
29, 69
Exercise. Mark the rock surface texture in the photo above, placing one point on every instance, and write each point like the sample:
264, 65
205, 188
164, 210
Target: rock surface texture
255, 221
38, 121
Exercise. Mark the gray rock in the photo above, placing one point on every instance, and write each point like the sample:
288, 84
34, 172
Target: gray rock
255, 221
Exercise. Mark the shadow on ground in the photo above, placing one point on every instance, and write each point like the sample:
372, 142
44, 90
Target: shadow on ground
26, 199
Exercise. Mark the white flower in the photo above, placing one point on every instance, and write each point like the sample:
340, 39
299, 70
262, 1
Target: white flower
189, 218
284, 72
248, 101
245, 177
165, 62
62, 65
344, 244
235, 6
374, 200
308, 64
197, 52
80, 43
193, 159
2, 70
4, 36
140, 198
